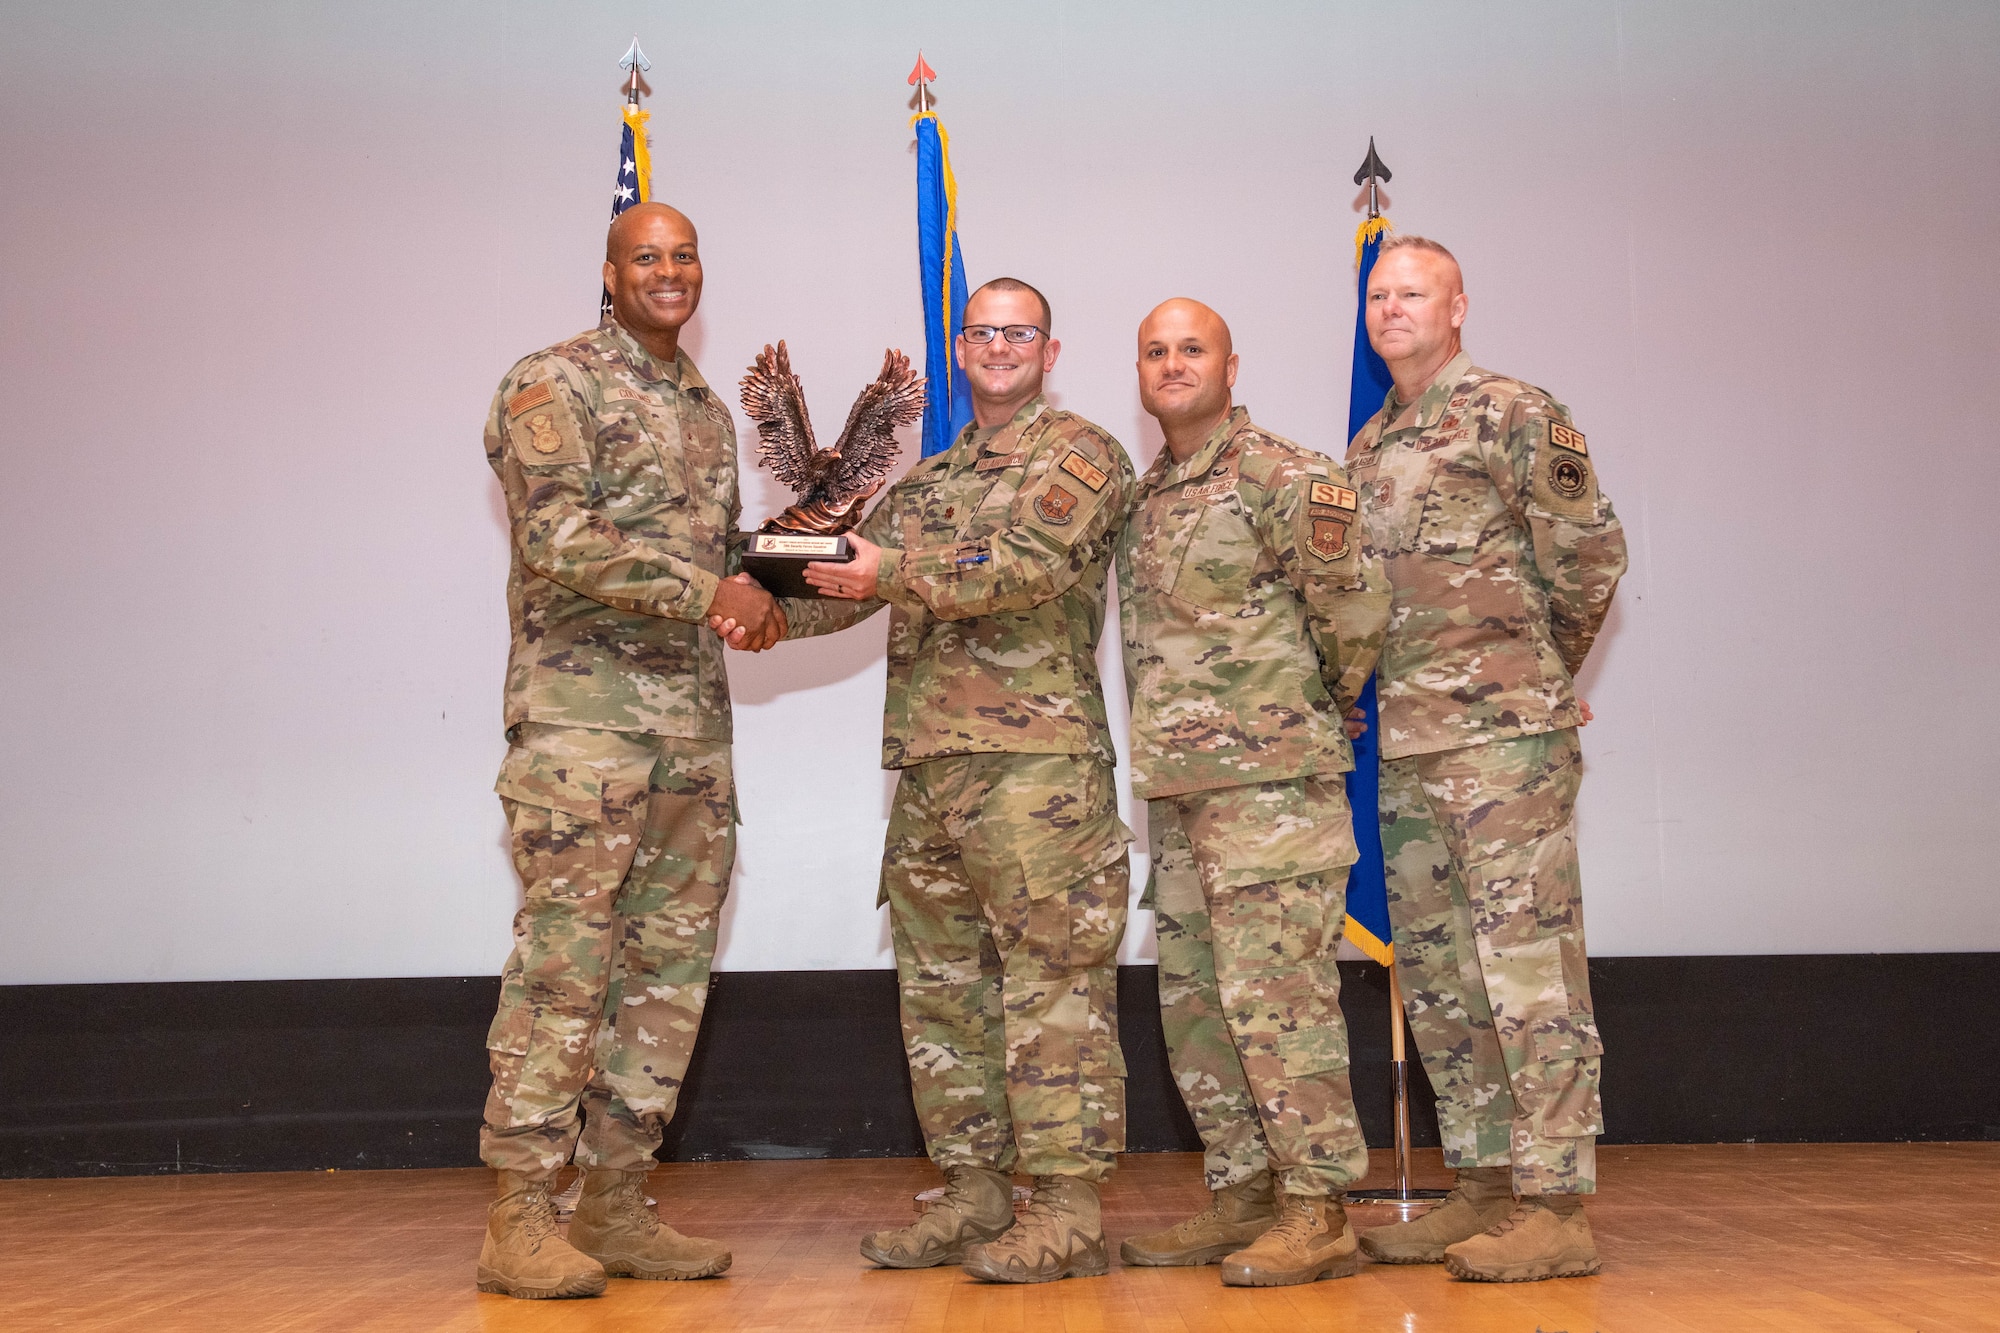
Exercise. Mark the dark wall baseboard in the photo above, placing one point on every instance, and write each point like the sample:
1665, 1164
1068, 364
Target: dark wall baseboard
291, 1075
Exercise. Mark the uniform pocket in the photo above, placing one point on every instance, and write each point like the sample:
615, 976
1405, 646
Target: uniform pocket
547, 782
1302, 827
1317, 1049
1457, 498
1057, 862
1222, 555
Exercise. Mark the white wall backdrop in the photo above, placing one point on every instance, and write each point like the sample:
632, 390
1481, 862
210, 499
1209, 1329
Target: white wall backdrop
261, 266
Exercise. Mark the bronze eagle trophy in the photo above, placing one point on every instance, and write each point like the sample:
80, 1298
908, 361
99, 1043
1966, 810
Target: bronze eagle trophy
832, 484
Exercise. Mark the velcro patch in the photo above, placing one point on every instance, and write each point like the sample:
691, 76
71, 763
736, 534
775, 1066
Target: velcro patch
1567, 437
1326, 493
1056, 506
1329, 538
535, 395
1084, 470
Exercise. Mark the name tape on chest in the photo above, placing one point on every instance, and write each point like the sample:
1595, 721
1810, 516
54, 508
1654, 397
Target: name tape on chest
1567, 437
1084, 470
1326, 493
1203, 490
997, 462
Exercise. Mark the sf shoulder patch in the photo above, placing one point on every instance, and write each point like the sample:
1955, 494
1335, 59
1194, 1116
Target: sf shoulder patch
1337, 497
1084, 470
542, 428
1563, 482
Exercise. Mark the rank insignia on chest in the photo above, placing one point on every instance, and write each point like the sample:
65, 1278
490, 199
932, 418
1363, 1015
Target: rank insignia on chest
1329, 538
1055, 505
1084, 470
1385, 492
1326, 493
1567, 437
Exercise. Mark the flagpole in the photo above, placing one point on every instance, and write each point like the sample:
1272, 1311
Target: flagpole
1407, 1201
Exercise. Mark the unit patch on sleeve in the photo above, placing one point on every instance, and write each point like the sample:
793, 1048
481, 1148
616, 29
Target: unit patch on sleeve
542, 429
1328, 540
1326, 493
1562, 480
1056, 505
1084, 470
1567, 437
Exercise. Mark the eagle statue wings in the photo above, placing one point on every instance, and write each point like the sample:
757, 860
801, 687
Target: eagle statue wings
831, 483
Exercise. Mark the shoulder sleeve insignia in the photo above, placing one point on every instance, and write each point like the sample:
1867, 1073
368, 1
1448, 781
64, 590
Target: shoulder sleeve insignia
1084, 470
543, 430
1567, 437
1328, 539
1056, 505
1326, 493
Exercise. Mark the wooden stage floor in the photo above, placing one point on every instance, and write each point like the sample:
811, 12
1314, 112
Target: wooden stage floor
1719, 1238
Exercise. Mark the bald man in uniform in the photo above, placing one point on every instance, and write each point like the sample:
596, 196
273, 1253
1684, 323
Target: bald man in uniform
1503, 554
1252, 611
619, 467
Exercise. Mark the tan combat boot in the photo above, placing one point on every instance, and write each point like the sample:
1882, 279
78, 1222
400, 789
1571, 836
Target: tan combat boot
1236, 1215
617, 1227
1545, 1236
1481, 1199
1310, 1240
978, 1204
1062, 1235
523, 1256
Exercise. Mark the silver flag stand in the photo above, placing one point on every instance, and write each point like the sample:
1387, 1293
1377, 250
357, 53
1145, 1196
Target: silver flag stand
1406, 1201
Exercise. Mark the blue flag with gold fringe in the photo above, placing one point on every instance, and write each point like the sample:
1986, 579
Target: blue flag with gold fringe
1367, 882
941, 273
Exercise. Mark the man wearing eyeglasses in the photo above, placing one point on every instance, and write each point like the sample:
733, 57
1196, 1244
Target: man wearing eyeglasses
1005, 870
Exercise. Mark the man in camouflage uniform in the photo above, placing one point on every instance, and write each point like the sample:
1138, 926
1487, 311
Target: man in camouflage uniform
1503, 555
1252, 611
1005, 870
619, 468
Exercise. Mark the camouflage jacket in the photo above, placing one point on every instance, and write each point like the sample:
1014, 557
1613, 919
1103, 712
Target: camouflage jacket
1252, 611
620, 476
1503, 554
995, 557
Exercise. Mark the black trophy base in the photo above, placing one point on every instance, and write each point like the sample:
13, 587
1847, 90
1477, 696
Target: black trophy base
778, 560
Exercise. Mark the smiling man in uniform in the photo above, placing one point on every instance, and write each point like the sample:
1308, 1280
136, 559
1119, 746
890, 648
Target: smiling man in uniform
1005, 870
619, 468
1252, 611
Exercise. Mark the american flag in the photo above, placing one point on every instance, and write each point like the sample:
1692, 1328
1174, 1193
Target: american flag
635, 183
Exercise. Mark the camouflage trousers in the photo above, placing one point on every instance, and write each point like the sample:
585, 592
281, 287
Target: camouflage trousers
1487, 906
1249, 890
1006, 879
624, 844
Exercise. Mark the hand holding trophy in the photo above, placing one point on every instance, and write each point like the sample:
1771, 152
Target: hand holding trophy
832, 484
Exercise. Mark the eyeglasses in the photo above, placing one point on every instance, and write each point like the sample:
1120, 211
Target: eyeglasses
1013, 333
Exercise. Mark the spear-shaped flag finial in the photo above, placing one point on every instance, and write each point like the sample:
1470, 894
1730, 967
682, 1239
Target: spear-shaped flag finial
1371, 174
634, 60
920, 79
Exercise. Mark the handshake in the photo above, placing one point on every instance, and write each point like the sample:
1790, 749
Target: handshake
749, 618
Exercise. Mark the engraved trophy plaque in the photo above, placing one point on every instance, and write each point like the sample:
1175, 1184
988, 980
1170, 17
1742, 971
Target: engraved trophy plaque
832, 484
